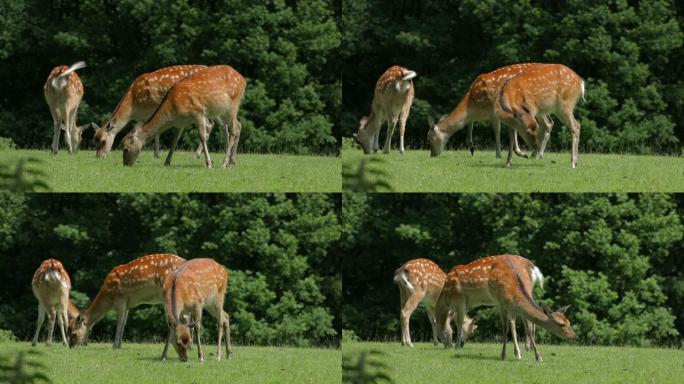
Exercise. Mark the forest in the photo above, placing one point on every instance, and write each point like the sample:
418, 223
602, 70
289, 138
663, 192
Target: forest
284, 281
614, 258
628, 52
287, 50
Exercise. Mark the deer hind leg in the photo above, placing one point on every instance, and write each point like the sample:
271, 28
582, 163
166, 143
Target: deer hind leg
122, 313
226, 333
471, 146
496, 125
198, 150
516, 146
67, 131
529, 333
413, 298
220, 316
529, 329
568, 119
390, 131
52, 314
514, 337
156, 146
174, 144
547, 124
198, 330
200, 123
504, 324
511, 143
460, 318
405, 110
39, 323
433, 323
56, 129
64, 320
235, 129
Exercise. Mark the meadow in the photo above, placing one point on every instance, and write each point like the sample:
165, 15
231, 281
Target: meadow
458, 171
139, 363
480, 363
84, 172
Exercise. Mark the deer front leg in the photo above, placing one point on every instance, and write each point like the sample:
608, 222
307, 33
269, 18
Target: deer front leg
166, 345
236, 128
120, 322
198, 326
156, 146
390, 131
56, 130
226, 333
547, 123
471, 146
460, 317
529, 330
219, 324
51, 327
174, 144
511, 143
504, 324
200, 122
514, 336
496, 125
516, 146
39, 324
210, 127
433, 323
67, 132
62, 320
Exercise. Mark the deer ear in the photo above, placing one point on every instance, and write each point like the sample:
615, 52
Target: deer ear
431, 122
476, 319
95, 126
547, 310
563, 309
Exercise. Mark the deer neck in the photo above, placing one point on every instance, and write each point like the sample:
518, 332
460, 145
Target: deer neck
457, 119
374, 120
72, 310
98, 308
122, 113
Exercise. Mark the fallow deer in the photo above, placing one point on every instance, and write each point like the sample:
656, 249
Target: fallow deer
195, 285
504, 281
141, 100
391, 102
63, 92
421, 280
214, 93
543, 89
125, 287
51, 285
478, 105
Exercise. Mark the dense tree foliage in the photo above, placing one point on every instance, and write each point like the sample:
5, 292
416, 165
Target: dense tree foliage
287, 50
628, 52
284, 281
615, 258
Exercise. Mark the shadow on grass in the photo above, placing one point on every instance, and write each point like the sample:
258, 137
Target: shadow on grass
24, 177
368, 177
364, 368
459, 355
23, 370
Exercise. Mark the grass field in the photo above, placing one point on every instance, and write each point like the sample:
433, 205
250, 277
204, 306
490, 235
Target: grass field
458, 171
480, 363
139, 363
253, 172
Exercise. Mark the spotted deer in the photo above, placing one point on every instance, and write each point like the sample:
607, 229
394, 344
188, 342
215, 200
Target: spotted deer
391, 102
214, 93
504, 281
63, 92
541, 90
421, 280
139, 102
51, 285
195, 285
125, 287
478, 105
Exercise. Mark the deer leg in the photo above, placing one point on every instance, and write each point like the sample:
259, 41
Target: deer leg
39, 324
198, 329
67, 132
402, 123
235, 130
376, 141
530, 333
218, 314
547, 124
412, 301
514, 336
568, 119
390, 131
226, 333
511, 143
227, 141
496, 124
210, 127
471, 146
51, 326
433, 323
460, 317
516, 146
62, 320
200, 122
56, 129
75, 132
120, 321
166, 345
174, 144
504, 323
156, 146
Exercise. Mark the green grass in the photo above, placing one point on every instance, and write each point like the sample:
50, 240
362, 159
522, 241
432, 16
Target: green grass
139, 363
480, 363
253, 172
458, 171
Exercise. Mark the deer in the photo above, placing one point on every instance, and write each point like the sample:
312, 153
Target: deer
214, 93
51, 285
63, 92
478, 105
504, 281
139, 102
125, 287
421, 280
543, 89
195, 285
391, 102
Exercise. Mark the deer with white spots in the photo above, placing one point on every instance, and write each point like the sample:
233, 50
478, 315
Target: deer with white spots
125, 287
478, 105
195, 285
421, 280
63, 92
505, 281
541, 90
214, 93
141, 100
51, 285
391, 102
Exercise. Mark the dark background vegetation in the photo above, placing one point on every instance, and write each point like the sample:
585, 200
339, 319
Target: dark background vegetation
617, 259
284, 280
629, 53
287, 50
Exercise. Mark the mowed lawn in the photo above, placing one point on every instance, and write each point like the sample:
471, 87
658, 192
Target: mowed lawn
480, 363
140, 364
253, 172
458, 171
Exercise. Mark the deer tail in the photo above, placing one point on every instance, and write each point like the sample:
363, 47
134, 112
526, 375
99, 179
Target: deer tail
74, 67
400, 278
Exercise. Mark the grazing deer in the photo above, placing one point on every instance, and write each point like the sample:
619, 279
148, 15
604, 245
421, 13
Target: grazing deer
421, 280
214, 93
51, 286
196, 284
141, 100
391, 102
542, 89
126, 287
504, 281
63, 92
478, 105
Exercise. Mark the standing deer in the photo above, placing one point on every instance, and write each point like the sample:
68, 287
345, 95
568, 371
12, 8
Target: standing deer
391, 102
63, 92
126, 287
214, 93
543, 89
141, 100
421, 280
478, 105
197, 284
504, 281
51, 286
